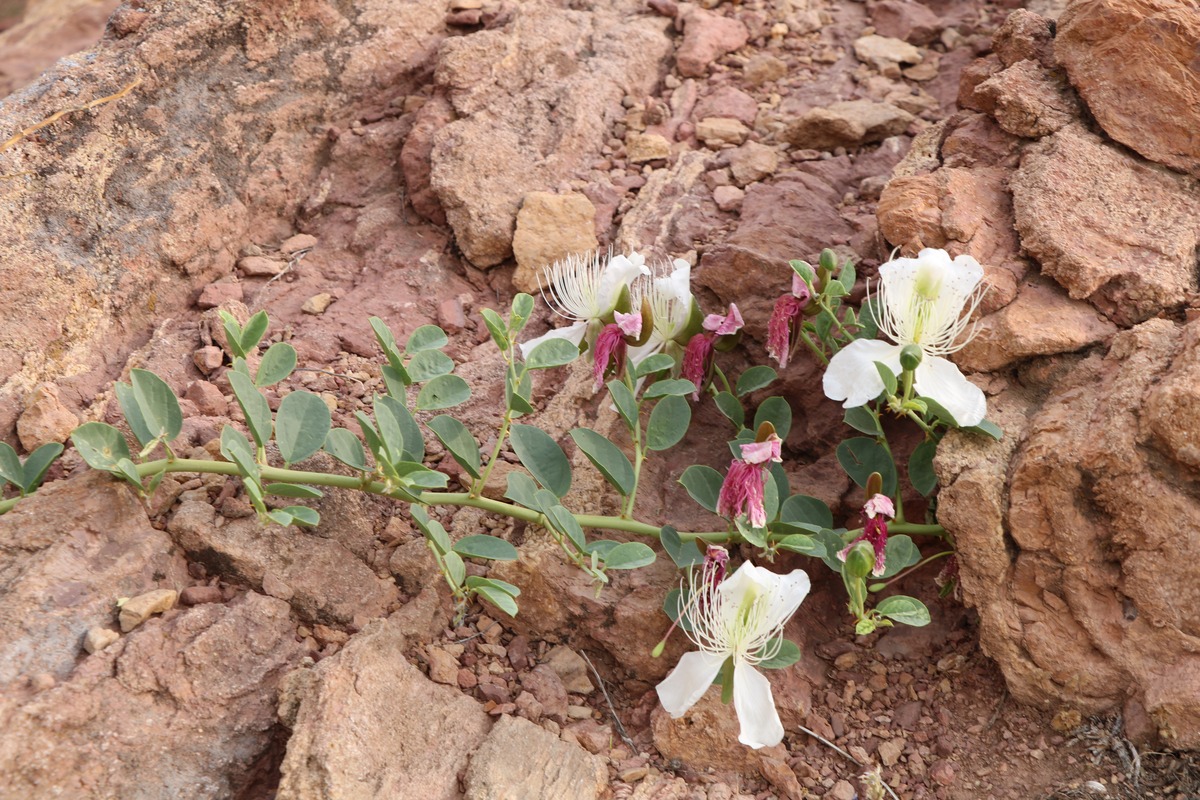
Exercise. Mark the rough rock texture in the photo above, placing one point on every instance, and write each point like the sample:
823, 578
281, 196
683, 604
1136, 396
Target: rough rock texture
550, 227
47, 31
1115, 50
520, 760
67, 555
533, 100
104, 732
368, 724
1102, 509
847, 124
1133, 259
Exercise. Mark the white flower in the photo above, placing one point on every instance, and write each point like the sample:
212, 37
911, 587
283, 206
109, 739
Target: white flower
585, 289
926, 301
670, 298
737, 619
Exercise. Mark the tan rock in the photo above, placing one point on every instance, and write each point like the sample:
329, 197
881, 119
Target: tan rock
571, 668
317, 304
752, 162
138, 609
643, 147
519, 759
261, 266
847, 124
706, 37
890, 751
763, 68
1028, 100
294, 244
715, 131
45, 419
885, 53
443, 667
705, 736
728, 198
97, 639
1134, 64
550, 227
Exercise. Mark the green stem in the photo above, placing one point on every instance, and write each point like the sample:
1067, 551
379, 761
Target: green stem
882, 439
816, 351
724, 381
477, 488
920, 422
639, 455
842, 328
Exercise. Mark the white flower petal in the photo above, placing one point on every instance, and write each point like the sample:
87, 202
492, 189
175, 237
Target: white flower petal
620, 271
851, 374
940, 380
677, 285
572, 333
690, 679
755, 706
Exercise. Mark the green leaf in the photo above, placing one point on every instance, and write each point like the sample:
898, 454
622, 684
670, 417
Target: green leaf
518, 393
234, 442
400, 431
703, 483
863, 420
890, 385
158, 405
650, 365
804, 270
394, 381
848, 276
899, 555
254, 406
754, 379
444, 391
501, 600
669, 388
684, 554
802, 544
429, 364
801, 508
387, 343
301, 425
552, 353
787, 654
455, 567
833, 545
772, 496
868, 318
233, 333
133, 413
496, 327
904, 609
346, 448
128, 470
861, 456
542, 456
38, 463
302, 515
426, 337
522, 490
600, 548
629, 555
731, 407
419, 475
483, 546
459, 442
606, 457
755, 536
776, 411
673, 606
920, 468
835, 289
626, 405
668, 422
565, 523
252, 334
987, 428
474, 582
277, 363
10, 466
522, 307
935, 410
292, 490
100, 445
432, 529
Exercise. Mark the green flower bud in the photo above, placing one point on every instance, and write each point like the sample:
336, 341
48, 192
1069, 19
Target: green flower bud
910, 356
860, 560
829, 260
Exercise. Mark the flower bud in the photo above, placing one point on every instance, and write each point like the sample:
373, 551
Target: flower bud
828, 260
860, 560
910, 357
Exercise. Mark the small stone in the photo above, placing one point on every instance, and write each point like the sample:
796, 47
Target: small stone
208, 359
199, 595
728, 198
579, 712
715, 131
99, 638
846, 660
1066, 720
301, 241
549, 228
544, 684
464, 19
882, 51
763, 68
443, 667
727, 101
138, 609
317, 304
570, 668
468, 680
643, 147
925, 71
842, 790
260, 266
752, 162
595, 737
220, 292
451, 316
900, 19
707, 37
889, 752
42, 681
273, 586
942, 772
635, 774
207, 397
847, 124
45, 419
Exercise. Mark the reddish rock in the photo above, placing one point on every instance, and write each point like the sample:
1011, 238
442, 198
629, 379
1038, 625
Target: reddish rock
520, 759
415, 158
847, 124
199, 595
45, 419
1028, 100
208, 398
706, 37
545, 685
1134, 64
727, 101
728, 198
913, 22
208, 359
1025, 35
220, 292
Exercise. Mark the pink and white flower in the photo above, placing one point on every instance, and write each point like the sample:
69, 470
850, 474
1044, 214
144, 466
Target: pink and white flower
742, 492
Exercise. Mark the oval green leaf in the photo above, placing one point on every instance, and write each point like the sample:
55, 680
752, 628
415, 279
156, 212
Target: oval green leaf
863, 421
776, 411
754, 379
920, 467
788, 653
38, 462
703, 484
100, 445
626, 405
346, 448
10, 466
458, 441
801, 508
159, 407
802, 544
668, 388
542, 456
629, 555
426, 337
429, 364
501, 600
277, 363
552, 353
301, 425
684, 554
292, 490
495, 326
731, 408
904, 609
254, 407
444, 391
861, 456
606, 457
483, 546
655, 363
668, 422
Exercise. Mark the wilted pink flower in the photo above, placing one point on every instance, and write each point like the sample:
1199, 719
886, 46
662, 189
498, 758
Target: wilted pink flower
877, 511
785, 319
609, 352
743, 489
630, 324
697, 361
724, 324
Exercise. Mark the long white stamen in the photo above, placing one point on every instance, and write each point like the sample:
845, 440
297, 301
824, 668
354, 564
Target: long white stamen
743, 631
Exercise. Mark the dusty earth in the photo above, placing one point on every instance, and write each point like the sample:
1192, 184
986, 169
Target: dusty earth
460, 146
